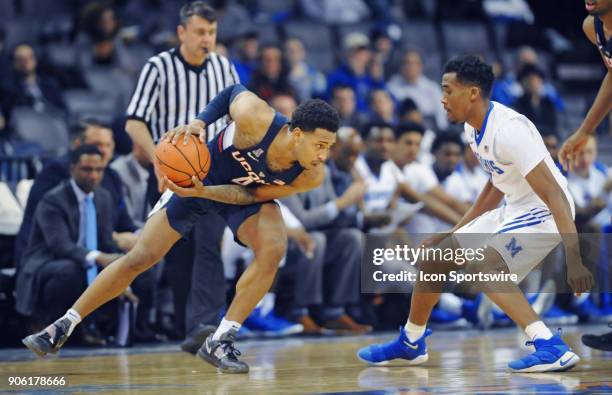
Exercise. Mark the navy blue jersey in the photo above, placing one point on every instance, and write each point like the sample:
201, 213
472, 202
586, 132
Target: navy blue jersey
247, 167
605, 46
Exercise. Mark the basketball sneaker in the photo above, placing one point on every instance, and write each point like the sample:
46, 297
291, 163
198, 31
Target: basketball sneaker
380, 354
479, 311
193, 342
50, 339
551, 355
599, 342
222, 354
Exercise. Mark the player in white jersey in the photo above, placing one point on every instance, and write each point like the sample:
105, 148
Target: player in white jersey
509, 148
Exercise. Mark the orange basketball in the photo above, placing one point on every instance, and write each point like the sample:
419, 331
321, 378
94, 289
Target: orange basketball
182, 161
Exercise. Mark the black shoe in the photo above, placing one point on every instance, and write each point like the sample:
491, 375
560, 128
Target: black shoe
143, 333
192, 343
50, 339
222, 354
88, 335
599, 342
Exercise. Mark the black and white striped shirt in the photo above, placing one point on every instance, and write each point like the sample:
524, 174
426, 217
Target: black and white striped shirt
171, 92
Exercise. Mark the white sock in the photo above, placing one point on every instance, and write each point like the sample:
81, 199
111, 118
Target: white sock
450, 303
538, 330
74, 317
225, 326
415, 332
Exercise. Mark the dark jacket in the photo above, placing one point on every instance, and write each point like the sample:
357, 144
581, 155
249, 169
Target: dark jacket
53, 174
55, 235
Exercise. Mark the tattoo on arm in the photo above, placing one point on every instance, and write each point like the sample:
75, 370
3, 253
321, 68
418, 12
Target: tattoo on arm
231, 194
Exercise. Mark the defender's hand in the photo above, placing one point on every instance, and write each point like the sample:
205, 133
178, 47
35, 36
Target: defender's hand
195, 127
197, 190
579, 278
571, 148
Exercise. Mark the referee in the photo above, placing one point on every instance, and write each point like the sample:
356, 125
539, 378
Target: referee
173, 87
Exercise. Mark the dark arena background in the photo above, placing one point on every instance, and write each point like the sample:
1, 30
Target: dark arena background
76, 73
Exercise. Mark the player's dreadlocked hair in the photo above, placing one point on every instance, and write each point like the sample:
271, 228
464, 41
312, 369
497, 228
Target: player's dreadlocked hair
472, 70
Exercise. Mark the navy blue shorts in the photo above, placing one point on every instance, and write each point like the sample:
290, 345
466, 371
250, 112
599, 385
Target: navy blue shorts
184, 212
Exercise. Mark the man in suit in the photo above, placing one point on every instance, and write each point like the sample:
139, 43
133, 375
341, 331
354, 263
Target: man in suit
71, 239
330, 278
89, 132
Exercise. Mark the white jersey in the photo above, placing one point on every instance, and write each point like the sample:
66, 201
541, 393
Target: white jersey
509, 147
380, 188
464, 184
585, 189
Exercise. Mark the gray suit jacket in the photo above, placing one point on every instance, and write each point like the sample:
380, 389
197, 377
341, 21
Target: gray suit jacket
55, 235
312, 210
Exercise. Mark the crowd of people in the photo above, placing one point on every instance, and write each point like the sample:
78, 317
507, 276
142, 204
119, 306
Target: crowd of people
398, 167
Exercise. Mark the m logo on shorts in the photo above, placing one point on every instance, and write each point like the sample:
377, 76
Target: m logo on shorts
513, 247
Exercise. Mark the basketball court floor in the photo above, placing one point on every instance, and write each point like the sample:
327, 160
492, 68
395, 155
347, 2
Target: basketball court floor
469, 361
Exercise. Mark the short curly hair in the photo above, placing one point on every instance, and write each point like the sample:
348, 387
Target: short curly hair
472, 70
313, 114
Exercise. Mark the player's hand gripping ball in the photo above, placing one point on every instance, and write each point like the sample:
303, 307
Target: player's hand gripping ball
180, 162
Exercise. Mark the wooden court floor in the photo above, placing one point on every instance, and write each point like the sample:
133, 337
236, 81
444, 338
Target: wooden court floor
460, 362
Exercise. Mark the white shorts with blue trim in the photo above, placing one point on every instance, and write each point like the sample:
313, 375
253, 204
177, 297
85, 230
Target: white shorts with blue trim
523, 236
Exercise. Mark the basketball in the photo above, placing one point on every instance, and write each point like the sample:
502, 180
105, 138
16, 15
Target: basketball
182, 161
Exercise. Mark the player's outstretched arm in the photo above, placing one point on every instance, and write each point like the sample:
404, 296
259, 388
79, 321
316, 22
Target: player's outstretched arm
237, 194
547, 188
600, 108
247, 110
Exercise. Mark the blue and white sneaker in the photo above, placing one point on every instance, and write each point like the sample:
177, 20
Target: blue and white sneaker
479, 311
551, 355
380, 354
271, 325
557, 316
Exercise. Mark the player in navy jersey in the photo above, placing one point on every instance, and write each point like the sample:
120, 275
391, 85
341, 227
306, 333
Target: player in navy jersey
598, 29
258, 158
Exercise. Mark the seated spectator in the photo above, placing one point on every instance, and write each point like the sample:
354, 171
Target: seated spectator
133, 169
587, 184
306, 81
343, 100
58, 170
551, 141
384, 42
355, 72
409, 112
447, 149
376, 168
424, 186
412, 83
245, 56
468, 179
507, 88
232, 19
27, 87
382, 107
71, 240
284, 103
271, 76
329, 278
98, 44
534, 104
134, 173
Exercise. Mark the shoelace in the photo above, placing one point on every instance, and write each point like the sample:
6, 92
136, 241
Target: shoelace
547, 349
229, 350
